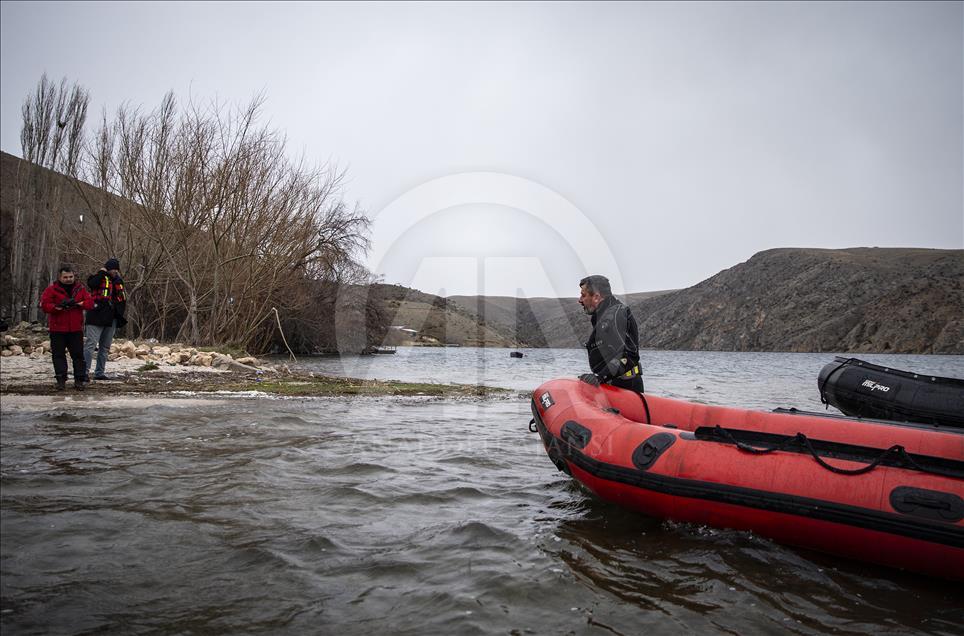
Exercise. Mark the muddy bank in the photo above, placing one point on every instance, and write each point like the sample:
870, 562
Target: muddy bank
23, 375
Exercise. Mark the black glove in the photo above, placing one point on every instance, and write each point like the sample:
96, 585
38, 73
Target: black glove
66, 303
590, 378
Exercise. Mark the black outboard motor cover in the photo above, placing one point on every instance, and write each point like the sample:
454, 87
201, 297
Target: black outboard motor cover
862, 389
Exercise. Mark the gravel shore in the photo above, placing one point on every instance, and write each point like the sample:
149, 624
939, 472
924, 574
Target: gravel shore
25, 375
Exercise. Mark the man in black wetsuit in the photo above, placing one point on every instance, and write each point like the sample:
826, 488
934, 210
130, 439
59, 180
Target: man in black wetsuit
613, 345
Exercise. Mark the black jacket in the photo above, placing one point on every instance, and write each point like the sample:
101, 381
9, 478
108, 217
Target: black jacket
110, 300
614, 338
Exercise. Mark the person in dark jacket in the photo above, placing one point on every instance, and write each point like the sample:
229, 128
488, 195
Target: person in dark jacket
64, 301
106, 317
613, 345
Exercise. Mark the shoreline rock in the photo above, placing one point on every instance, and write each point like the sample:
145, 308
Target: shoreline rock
33, 341
21, 375
172, 368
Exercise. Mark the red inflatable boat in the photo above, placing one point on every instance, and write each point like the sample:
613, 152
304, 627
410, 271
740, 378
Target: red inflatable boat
865, 489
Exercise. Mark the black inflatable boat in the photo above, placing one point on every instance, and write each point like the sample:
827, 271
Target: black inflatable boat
862, 389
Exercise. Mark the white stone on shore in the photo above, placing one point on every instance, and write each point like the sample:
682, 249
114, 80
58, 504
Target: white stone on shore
225, 361
175, 354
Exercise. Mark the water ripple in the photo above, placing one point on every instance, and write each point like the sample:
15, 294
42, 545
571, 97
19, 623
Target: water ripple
369, 515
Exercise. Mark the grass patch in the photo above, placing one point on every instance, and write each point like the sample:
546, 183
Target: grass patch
327, 386
161, 382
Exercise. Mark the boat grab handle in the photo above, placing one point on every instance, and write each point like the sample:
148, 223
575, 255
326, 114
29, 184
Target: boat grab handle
801, 440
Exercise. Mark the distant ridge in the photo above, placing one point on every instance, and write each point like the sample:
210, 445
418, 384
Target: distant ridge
883, 300
437, 319
859, 300
538, 322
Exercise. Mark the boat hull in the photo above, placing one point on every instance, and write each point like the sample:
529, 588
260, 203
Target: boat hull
716, 466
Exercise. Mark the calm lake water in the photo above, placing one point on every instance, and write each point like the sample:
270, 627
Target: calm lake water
373, 515
751, 380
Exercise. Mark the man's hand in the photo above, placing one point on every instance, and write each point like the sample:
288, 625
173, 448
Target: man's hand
590, 378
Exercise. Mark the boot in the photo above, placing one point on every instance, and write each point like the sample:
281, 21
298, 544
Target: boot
61, 384
80, 385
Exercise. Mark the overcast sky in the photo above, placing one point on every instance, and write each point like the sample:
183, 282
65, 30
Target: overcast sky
511, 148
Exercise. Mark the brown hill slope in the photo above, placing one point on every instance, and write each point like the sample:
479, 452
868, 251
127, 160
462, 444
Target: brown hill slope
538, 322
897, 300
439, 319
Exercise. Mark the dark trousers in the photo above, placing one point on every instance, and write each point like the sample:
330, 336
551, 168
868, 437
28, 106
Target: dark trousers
60, 344
633, 384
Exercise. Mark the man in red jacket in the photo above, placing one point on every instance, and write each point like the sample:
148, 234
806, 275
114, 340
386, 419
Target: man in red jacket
64, 302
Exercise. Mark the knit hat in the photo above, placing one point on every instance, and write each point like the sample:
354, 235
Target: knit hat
112, 263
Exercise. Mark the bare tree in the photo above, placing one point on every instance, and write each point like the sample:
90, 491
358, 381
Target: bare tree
216, 225
52, 138
224, 219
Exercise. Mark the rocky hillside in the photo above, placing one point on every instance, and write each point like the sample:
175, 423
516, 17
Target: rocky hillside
854, 300
538, 322
895, 300
438, 320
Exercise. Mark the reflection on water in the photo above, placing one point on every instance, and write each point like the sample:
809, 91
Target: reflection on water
401, 516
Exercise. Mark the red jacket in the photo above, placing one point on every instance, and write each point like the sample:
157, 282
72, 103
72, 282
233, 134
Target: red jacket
72, 318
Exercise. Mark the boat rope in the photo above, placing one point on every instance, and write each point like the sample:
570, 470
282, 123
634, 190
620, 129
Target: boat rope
802, 441
743, 446
896, 450
649, 420
823, 385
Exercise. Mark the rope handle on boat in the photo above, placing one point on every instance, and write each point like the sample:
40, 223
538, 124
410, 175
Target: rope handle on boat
642, 397
823, 385
532, 426
897, 450
798, 438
